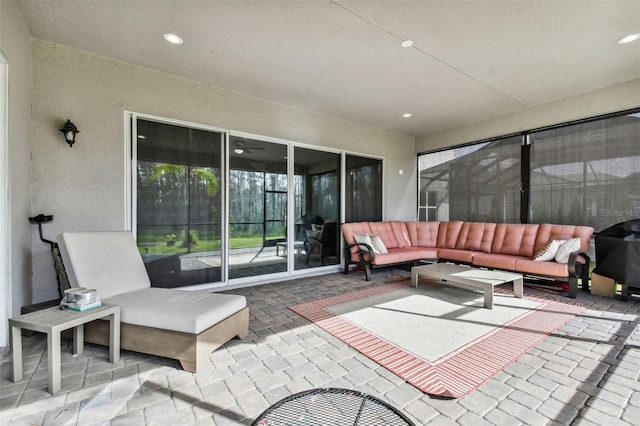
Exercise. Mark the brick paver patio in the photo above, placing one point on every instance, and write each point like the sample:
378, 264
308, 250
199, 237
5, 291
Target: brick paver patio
587, 373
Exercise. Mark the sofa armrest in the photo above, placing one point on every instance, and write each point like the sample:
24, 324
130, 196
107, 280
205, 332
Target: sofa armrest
578, 268
365, 256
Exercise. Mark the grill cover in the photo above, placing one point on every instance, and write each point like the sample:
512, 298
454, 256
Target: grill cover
618, 252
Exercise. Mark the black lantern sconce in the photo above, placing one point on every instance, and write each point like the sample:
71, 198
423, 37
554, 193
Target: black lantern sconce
69, 130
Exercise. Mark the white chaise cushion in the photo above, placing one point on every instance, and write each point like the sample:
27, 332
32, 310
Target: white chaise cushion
107, 261
177, 310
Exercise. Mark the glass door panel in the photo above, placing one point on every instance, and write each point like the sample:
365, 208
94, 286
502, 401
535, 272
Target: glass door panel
257, 207
363, 197
179, 203
317, 207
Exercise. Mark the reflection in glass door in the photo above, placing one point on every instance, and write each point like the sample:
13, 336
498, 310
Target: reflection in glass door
257, 207
179, 203
317, 206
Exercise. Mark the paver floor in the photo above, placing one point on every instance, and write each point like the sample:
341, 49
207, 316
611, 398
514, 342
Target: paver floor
586, 373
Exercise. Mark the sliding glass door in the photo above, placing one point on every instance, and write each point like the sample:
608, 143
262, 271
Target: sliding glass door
257, 207
317, 206
216, 207
179, 203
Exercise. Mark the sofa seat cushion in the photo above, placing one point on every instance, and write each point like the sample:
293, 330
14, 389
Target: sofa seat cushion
550, 268
402, 255
458, 255
498, 261
176, 310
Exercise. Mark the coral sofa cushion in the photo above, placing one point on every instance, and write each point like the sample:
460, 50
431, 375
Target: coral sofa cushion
401, 233
349, 230
465, 256
498, 261
528, 266
385, 231
423, 234
448, 234
398, 255
515, 239
476, 236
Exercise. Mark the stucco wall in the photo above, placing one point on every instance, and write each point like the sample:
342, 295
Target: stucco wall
15, 45
84, 187
618, 97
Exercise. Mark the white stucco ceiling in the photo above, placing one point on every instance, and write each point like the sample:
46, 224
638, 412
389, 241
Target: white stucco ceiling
470, 59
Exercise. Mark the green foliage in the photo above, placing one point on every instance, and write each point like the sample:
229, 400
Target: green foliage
166, 169
209, 178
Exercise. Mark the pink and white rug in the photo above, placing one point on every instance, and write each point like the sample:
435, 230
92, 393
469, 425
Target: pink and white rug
439, 337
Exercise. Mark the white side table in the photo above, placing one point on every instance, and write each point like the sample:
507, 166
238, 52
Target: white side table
53, 321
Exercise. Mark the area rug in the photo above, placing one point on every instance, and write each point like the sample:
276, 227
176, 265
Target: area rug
439, 338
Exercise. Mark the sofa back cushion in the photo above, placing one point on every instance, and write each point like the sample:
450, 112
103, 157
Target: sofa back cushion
401, 233
515, 239
385, 231
349, 230
448, 234
108, 261
423, 234
549, 232
476, 236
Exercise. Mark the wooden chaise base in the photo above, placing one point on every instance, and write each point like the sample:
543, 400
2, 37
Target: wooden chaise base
192, 350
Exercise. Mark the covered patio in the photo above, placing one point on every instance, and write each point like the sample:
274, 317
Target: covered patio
584, 373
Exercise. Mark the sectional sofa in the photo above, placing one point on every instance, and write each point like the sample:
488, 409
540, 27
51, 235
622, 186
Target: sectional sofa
503, 246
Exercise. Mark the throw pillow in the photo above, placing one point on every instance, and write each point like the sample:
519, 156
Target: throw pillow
313, 234
565, 249
364, 239
549, 251
378, 245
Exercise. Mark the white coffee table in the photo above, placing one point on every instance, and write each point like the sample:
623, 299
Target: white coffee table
53, 321
481, 279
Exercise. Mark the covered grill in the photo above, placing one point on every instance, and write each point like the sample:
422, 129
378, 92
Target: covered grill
618, 254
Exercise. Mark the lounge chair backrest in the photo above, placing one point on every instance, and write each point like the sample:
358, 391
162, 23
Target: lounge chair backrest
107, 261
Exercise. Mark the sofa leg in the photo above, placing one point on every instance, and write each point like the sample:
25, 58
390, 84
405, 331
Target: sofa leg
367, 272
573, 287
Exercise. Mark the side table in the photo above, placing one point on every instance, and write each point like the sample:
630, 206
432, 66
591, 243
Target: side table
53, 321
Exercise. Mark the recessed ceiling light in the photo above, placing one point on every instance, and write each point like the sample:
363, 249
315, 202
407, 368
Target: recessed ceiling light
629, 38
407, 43
238, 151
142, 137
173, 39
407, 115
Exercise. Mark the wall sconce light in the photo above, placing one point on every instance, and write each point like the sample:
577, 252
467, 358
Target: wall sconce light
69, 130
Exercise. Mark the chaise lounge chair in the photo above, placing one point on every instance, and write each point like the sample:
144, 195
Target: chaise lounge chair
183, 325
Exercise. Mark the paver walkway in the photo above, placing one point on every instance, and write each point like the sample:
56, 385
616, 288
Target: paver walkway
587, 373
